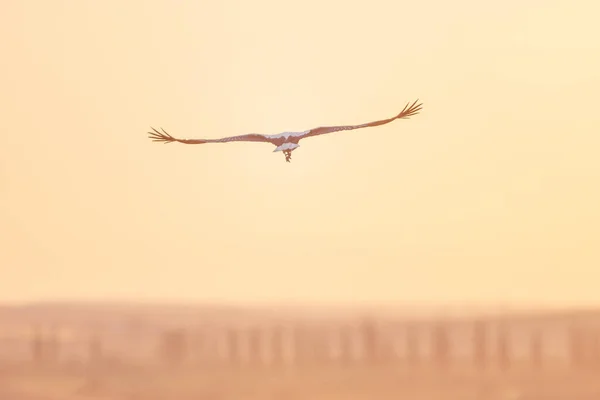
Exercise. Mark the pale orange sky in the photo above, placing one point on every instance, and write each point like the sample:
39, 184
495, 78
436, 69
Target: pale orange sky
491, 194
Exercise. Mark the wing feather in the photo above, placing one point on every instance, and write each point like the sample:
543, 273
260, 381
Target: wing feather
164, 137
406, 113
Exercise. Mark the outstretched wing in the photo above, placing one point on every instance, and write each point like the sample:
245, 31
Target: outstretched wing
407, 112
164, 137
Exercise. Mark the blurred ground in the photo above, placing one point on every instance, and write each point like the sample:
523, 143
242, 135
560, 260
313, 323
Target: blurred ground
356, 383
68, 352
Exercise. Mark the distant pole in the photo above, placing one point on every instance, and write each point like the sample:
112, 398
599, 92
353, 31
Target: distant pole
594, 340
412, 345
95, 350
309, 348
368, 353
577, 347
53, 346
503, 347
328, 340
536, 349
301, 344
343, 339
372, 342
201, 346
480, 344
173, 347
277, 347
441, 346
232, 346
37, 346
254, 346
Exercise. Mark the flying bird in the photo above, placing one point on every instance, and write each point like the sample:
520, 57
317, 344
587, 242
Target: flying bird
286, 141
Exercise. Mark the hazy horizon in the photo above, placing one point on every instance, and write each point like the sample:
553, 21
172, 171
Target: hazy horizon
489, 196
399, 309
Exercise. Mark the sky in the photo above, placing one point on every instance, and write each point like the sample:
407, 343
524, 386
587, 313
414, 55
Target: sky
490, 195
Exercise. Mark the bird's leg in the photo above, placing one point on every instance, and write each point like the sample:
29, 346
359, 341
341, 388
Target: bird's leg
288, 155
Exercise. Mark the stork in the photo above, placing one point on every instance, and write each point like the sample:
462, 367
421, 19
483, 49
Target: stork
286, 141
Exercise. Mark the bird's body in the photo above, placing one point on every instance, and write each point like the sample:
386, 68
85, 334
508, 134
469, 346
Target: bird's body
285, 141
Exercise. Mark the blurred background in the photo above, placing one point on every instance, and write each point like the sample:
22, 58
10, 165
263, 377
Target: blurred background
465, 236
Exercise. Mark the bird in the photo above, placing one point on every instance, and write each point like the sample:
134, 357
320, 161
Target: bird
286, 142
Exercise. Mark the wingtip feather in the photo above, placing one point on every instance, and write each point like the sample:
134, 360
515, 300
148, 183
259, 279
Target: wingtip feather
163, 136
